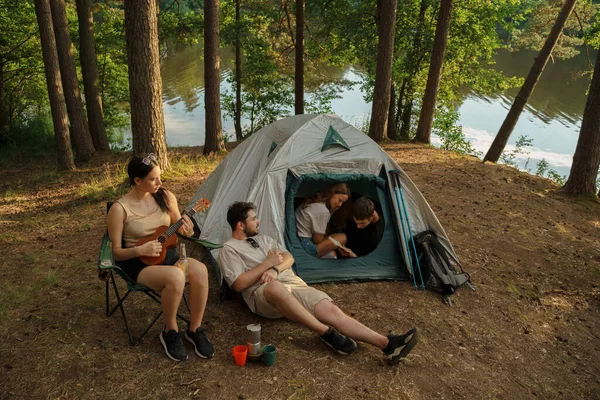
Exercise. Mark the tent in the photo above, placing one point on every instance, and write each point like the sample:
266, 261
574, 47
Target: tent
300, 155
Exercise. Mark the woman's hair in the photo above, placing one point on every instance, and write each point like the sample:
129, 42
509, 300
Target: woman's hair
325, 195
139, 167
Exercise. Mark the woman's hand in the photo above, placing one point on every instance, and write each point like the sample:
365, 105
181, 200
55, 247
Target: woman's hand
152, 248
187, 228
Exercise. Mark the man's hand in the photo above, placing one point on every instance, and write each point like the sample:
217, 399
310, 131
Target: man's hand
274, 258
268, 276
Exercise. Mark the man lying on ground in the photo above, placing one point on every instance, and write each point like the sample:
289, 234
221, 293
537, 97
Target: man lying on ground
255, 265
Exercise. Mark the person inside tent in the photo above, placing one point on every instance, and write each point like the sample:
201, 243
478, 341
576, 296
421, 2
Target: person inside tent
260, 269
146, 207
313, 216
365, 228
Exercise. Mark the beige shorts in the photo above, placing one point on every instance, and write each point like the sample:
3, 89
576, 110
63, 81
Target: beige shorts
306, 295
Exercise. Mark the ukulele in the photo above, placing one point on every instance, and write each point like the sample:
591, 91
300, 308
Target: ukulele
166, 234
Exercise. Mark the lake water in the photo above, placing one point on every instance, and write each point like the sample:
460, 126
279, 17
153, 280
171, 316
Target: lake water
552, 117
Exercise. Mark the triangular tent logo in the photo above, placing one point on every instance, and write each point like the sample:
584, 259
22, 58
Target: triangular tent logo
333, 138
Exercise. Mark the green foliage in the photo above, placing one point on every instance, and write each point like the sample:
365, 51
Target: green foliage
510, 157
445, 126
541, 17
543, 170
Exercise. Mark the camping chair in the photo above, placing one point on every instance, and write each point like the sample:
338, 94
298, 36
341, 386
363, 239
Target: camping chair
107, 269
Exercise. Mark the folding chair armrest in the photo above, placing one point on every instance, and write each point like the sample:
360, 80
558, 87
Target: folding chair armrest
206, 244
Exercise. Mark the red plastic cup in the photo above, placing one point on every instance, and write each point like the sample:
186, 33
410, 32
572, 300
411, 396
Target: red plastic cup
240, 352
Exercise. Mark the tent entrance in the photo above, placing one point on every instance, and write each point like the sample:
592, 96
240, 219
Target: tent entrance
386, 262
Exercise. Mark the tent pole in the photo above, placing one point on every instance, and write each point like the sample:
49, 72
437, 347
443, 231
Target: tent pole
399, 185
403, 238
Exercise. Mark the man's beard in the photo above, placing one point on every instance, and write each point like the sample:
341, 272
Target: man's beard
250, 233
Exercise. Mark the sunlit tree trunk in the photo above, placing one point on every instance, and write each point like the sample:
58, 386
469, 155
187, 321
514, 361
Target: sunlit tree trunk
435, 73
145, 83
64, 154
82, 141
586, 160
386, 14
238, 74
531, 80
299, 76
212, 103
89, 70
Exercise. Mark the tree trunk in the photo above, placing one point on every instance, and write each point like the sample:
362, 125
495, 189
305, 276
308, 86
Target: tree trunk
586, 160
386, 13
212, 103
435, 73
84, 147
4, 115
391, 125
406, 119
64, 154
89, 70
299, 75
238, 75
145, 83
531, 80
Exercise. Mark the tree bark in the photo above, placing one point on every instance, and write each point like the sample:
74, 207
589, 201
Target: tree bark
531, 80
299, 74
386, 13
84, 147
586, 160
435, 73
391, 124
145, 83
238, 75
89, 70
4, 116
212, 103
64, 154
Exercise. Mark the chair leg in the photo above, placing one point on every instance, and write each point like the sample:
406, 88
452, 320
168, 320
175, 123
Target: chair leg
120, 306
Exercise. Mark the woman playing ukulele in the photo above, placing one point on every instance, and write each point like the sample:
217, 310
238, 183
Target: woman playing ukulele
138, 214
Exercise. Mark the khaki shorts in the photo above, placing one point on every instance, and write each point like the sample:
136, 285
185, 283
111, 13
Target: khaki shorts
306, 295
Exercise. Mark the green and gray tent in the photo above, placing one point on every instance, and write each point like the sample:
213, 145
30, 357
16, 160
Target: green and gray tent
297, 156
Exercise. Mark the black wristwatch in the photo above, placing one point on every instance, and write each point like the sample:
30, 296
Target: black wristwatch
276, 269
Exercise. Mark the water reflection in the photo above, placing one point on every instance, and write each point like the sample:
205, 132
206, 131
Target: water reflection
551, 118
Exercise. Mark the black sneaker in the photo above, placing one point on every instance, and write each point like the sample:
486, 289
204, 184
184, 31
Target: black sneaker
204, 348
338, 342
400, 345
173, 345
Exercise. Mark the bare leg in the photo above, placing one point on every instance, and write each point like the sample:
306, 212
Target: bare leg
198, 292
291, 308
330, 314
169, 282
327, 246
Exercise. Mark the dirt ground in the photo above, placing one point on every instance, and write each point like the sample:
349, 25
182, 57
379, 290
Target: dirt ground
529, 330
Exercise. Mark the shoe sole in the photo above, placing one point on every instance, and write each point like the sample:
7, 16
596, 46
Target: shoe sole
167, 352
339, 351
189, 339
394, 358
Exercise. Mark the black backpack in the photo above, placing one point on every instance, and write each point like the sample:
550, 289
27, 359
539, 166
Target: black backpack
436, 270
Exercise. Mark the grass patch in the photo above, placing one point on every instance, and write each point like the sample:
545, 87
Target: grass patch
10, 238
110, 184
51, 279
185, 165
31, 258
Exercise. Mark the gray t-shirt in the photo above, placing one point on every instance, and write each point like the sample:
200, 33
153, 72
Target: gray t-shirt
312, 219
239, 256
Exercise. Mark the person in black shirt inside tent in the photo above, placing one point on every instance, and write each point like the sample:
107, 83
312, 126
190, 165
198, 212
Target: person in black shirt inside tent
365, 228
